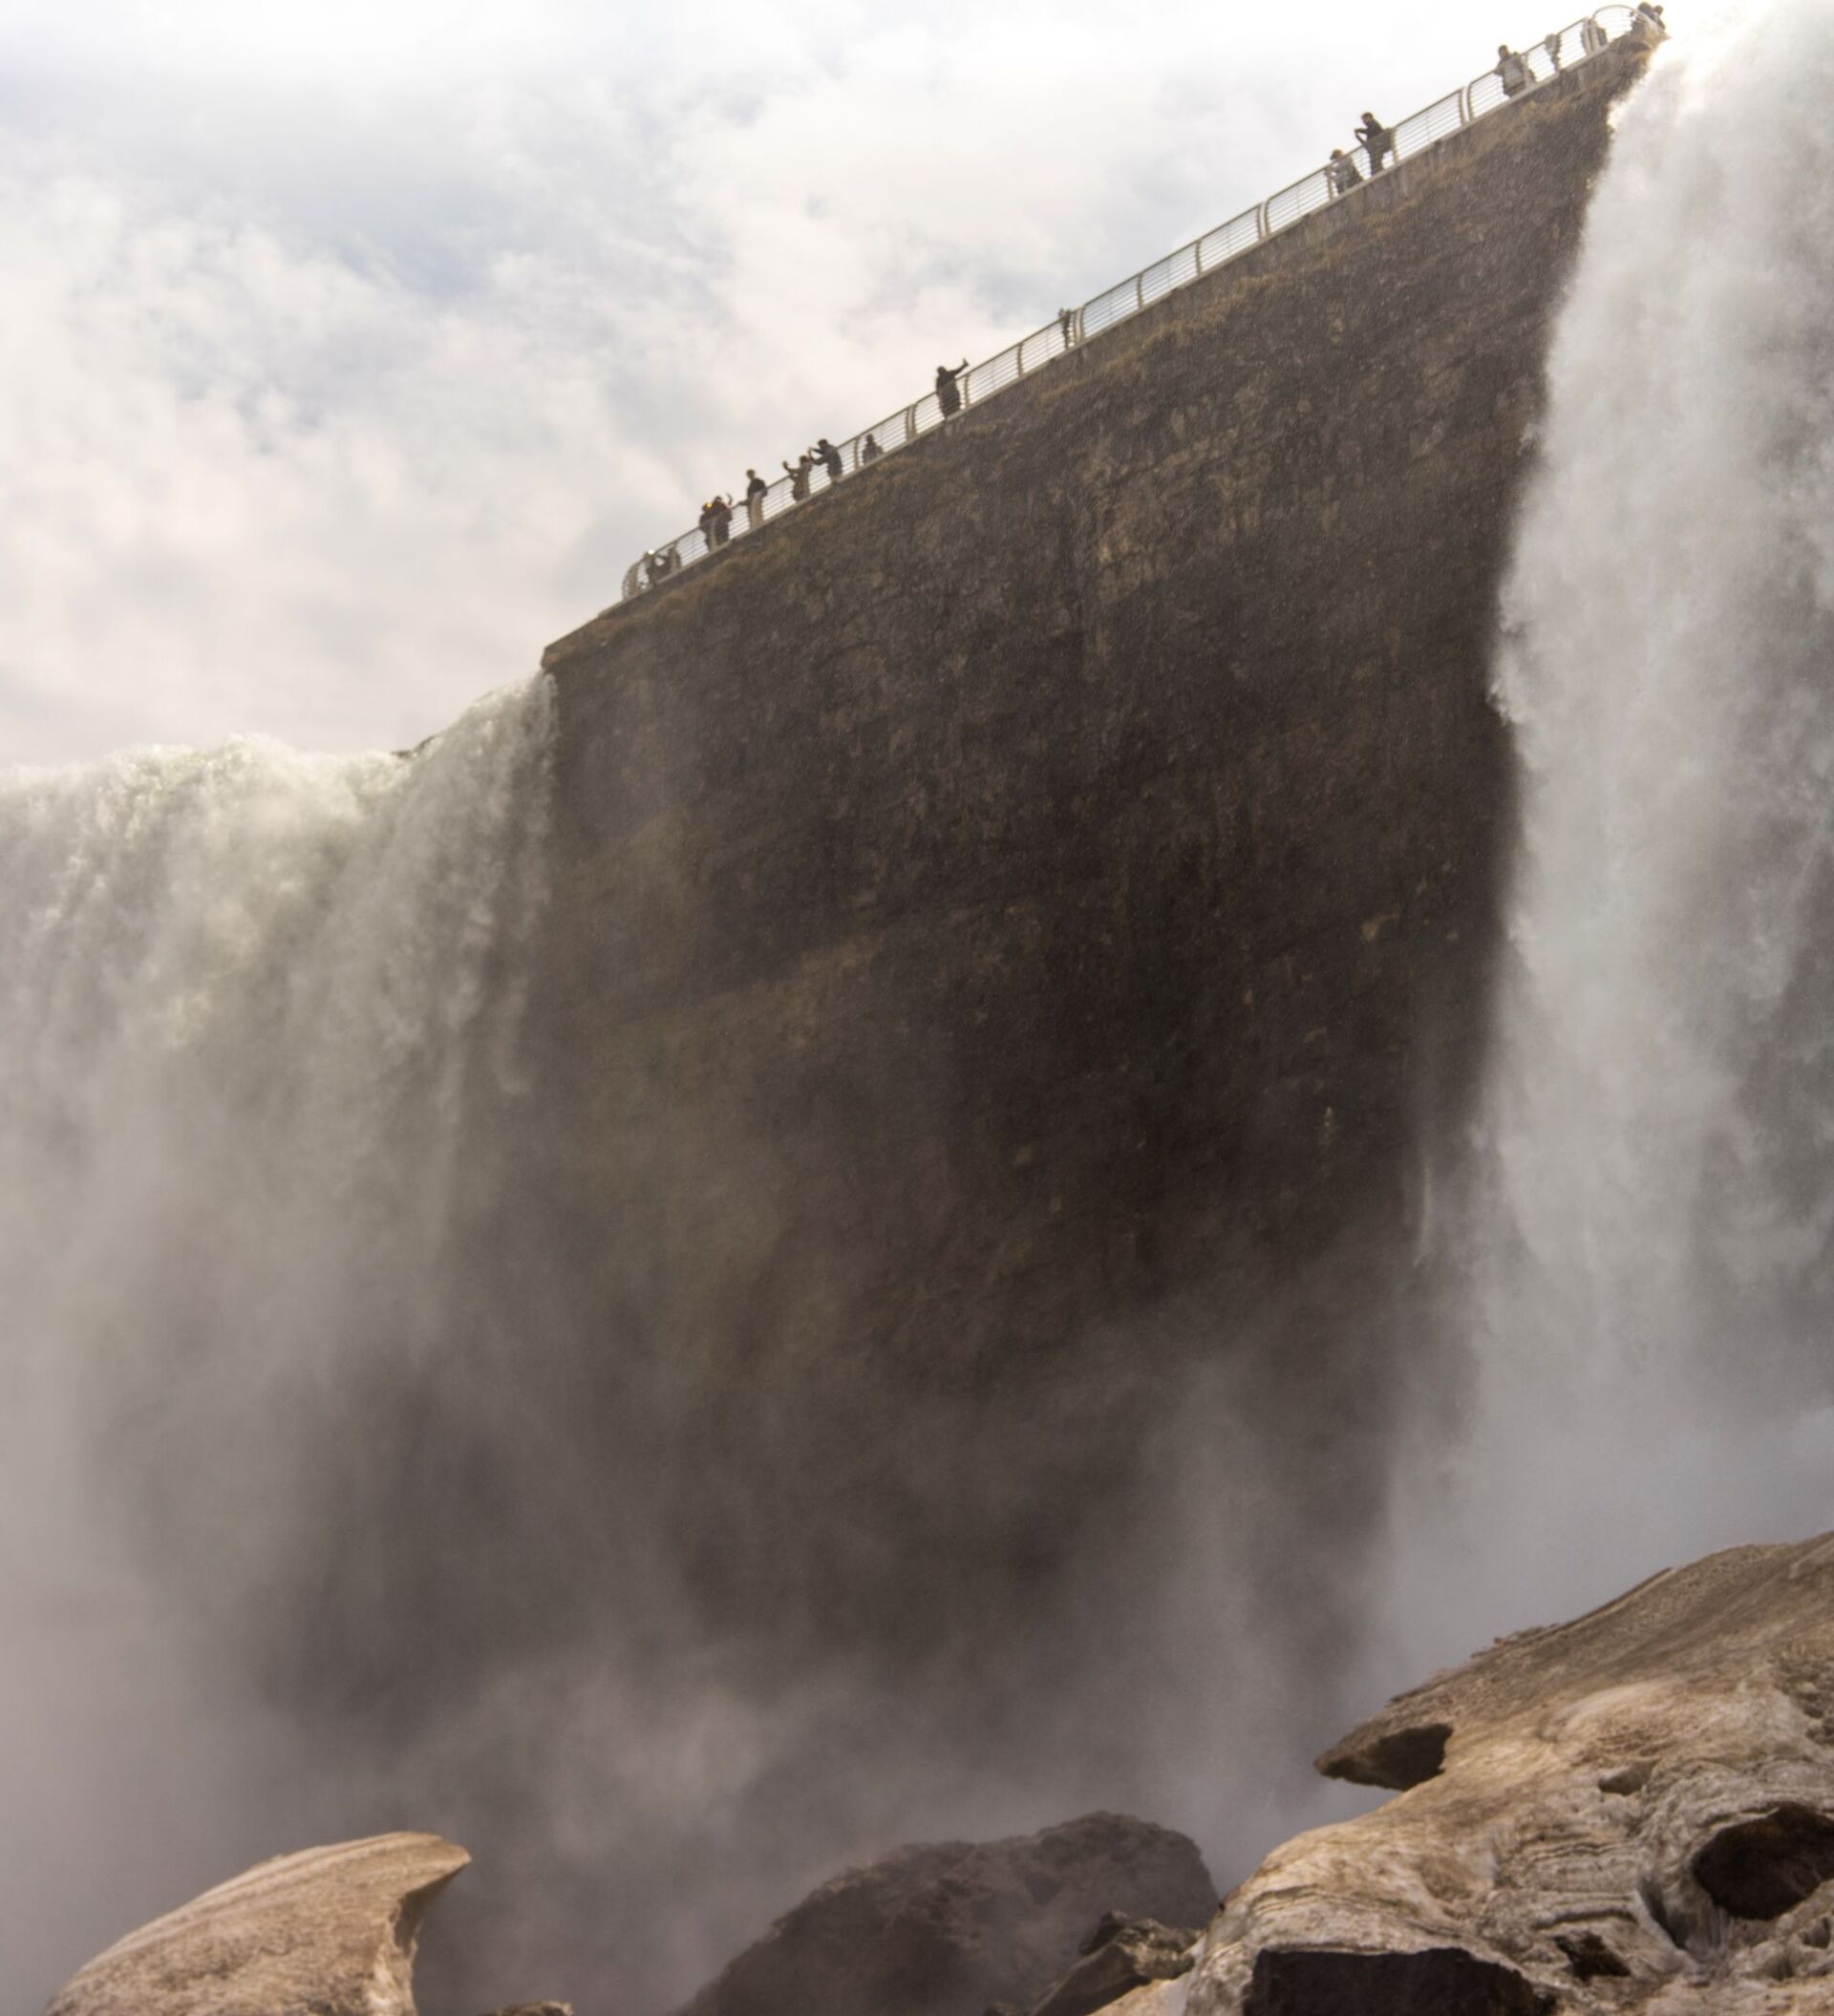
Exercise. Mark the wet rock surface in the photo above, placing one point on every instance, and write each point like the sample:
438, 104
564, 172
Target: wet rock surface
326, 1932
1442, 1980
950, 1929
1120, 1955
1631, 1812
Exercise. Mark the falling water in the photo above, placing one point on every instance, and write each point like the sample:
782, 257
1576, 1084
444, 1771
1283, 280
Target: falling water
257, 1012
1649, 1276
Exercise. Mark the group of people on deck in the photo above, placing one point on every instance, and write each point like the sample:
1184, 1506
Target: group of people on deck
716, 514
798, 472
1378, 145
1512, 72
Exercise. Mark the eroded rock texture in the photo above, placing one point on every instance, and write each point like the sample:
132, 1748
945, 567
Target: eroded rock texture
1632, 1812
327, 1932
947, 1929
1120, 1955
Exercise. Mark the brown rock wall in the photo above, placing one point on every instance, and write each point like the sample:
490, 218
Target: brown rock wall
1053, 875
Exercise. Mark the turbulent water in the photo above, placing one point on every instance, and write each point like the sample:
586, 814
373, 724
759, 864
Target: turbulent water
252, 1008
1649, 1277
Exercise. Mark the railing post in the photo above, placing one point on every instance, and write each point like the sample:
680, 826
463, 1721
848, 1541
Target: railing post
1140, 290
1260, 220
1197, 252
911, 423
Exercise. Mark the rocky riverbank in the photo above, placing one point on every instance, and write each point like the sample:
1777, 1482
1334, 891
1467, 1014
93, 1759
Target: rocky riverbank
1631, 1812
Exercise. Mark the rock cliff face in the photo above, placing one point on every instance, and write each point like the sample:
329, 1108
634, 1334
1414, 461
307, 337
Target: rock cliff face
1016, 927
1018, 912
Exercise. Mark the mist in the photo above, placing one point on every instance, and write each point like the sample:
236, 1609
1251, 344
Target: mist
328, 1511
252, 1000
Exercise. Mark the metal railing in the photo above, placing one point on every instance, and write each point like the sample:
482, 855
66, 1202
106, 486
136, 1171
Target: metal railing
1071, 329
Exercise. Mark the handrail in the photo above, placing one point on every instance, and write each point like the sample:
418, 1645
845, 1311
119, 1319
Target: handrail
1071, 329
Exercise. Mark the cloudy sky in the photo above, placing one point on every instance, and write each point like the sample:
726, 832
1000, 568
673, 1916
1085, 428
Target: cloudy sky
351, 351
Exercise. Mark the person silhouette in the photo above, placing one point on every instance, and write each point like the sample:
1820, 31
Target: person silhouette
1513, 70
1378, 141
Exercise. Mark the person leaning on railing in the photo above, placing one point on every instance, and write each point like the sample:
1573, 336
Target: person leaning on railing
1341, 172
1378, 141
870, 450
755, 488
1646, 24
1592, 39
799, 476
829, 457
1513, 70
949, 394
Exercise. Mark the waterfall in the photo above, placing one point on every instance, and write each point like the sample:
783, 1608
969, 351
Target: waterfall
1647, 1276
258, 1025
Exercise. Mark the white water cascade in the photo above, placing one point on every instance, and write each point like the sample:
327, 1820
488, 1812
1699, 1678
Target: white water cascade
252, 1006
1647, 1268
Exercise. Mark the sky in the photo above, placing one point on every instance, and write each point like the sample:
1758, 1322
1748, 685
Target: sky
352, 351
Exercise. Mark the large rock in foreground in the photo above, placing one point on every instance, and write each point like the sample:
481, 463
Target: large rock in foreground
947, 1929
1632, 1812
327, 1932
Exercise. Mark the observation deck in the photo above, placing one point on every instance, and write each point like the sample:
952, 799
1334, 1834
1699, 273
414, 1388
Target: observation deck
1339, 183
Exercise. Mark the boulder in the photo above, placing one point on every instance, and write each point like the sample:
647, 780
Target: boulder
327, 1932
1120, 1955
947, 1929
1633, 1811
